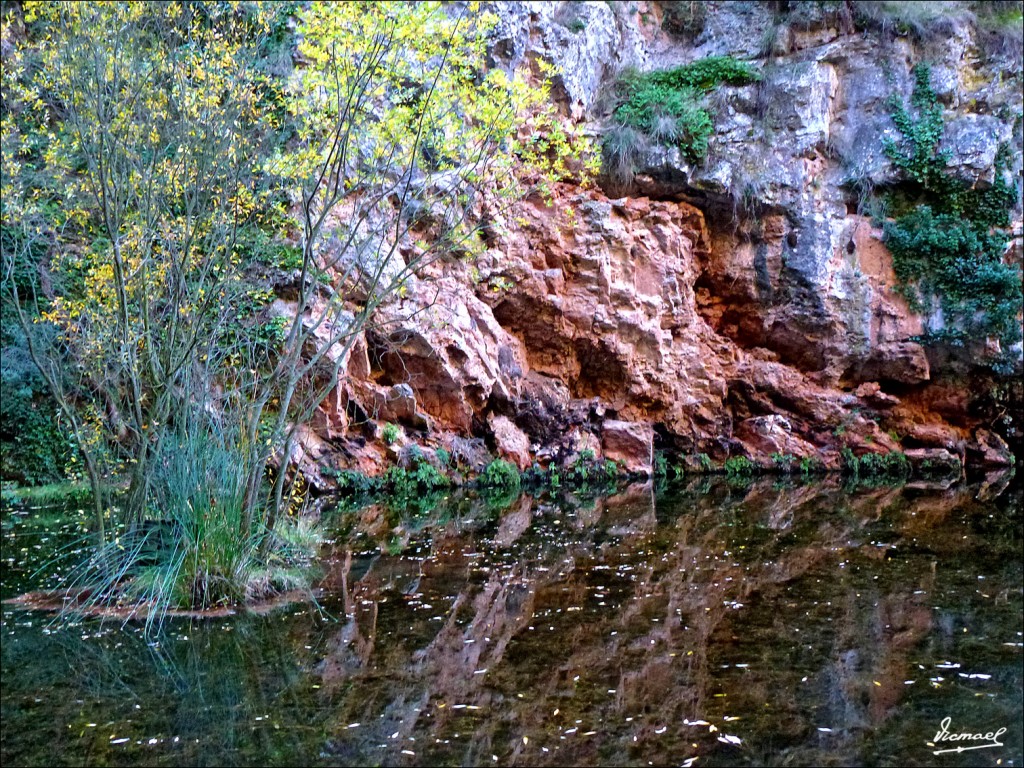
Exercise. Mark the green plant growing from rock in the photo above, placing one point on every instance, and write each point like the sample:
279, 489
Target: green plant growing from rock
611, 469
391, 433
660, 465
668, 108
948, 236
444, 457
783, 462
892, 466
500, 474
740, 466
810, 465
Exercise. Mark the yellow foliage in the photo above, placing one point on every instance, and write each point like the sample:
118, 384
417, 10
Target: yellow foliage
144, 142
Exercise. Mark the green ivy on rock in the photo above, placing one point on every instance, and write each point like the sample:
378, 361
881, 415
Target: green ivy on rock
948, 237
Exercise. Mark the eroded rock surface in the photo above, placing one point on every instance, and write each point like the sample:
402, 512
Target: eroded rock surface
742, 306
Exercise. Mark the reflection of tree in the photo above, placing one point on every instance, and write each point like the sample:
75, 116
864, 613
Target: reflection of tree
715, 602
209, 693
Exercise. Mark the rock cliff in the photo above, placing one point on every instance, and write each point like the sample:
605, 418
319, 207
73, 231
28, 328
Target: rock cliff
744, 305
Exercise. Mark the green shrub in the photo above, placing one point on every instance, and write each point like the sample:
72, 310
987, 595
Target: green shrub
890, 466
611, 469
848, 461
893, 464
351, 481
810, 465
534, 475
948, 238
783, 462
706, 74
261, 246
583, 468
428, 476
740, 466
391, 433
397, 482
423, 476
500, 474
660, 465
34, 449
675, 114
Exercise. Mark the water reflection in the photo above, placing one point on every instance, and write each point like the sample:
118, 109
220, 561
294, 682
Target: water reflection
759, 625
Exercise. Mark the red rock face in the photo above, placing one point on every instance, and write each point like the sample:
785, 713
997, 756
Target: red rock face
625, 326
630, 443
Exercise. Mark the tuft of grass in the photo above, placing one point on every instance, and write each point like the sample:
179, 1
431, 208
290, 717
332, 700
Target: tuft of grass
1001, 28
921, 19
202, 551
391, 433
621, 148
658, 109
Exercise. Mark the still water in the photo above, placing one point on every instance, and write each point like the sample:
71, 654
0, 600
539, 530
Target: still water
708, 624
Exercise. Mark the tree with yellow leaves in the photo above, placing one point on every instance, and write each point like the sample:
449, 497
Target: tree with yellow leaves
165, 167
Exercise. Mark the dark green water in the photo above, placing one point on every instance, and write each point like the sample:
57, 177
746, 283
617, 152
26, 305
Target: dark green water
759, 625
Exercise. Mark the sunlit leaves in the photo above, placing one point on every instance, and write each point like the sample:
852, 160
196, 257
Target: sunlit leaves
433, 105
158, 167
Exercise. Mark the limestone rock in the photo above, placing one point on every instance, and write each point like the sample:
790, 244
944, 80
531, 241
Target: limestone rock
903, 362
933, 460
740, 304
990, 450
588, 43
871, 393
512, 443
973, 141
934, 435
630, 443
764, 436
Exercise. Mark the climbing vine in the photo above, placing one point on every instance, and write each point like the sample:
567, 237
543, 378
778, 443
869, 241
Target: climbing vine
948, 236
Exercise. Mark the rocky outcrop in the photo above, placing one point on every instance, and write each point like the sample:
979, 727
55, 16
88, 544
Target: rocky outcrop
741, 306
512, 444
588, 44
629, 443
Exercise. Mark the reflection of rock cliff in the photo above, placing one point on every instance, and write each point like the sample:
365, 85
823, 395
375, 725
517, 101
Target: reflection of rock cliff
599, 633
741, 306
